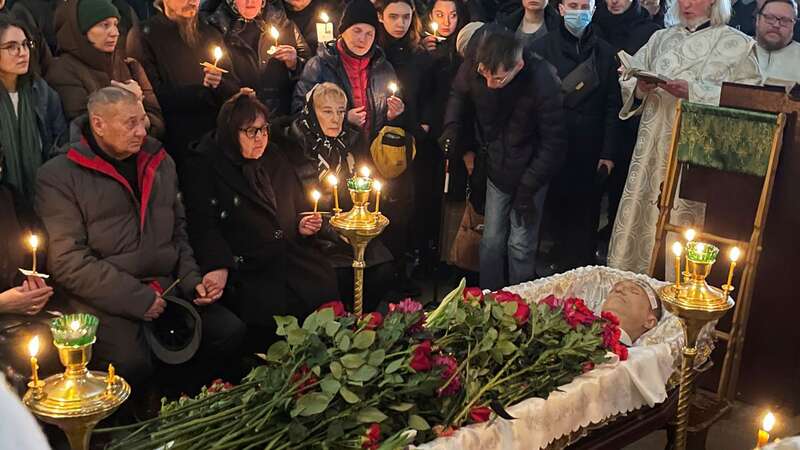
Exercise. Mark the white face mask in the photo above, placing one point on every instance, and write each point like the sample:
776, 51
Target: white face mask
576, 20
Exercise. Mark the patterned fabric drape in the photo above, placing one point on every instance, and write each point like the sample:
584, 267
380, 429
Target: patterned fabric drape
728, 139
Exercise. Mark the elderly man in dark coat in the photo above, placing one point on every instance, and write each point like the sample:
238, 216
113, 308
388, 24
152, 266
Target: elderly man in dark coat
117, 236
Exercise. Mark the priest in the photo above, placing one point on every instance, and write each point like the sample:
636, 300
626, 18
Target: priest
778, 54
696, 55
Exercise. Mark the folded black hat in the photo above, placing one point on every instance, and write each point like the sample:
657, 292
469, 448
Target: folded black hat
174, 336
359, 11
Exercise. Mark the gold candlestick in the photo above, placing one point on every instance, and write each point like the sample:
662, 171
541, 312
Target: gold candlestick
377, 186
677, 250
695, 304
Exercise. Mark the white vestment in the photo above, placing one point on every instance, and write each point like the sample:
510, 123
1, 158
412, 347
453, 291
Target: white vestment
783, 64
705, 58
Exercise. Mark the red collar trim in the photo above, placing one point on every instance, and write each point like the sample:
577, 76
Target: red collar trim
98, 165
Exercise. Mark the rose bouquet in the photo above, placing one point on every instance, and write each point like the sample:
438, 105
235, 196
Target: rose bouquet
339, 381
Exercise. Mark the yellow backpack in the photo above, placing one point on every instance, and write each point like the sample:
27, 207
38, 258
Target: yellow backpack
392, 151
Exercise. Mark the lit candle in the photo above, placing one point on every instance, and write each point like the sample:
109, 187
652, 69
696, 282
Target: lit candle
734, 256
334, 182
689, 235
33, 241
33, 349
676, 249
324, 29
315, 195
217, 56
365, 172
393, 88
435, 28
275, 34
377, 185
766, 427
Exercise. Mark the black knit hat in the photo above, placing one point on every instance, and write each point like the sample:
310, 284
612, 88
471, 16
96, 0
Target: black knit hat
359, 11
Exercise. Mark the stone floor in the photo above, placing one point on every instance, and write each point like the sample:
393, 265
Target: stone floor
737, 431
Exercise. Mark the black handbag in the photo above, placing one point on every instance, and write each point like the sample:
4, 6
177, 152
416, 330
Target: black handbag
580, 83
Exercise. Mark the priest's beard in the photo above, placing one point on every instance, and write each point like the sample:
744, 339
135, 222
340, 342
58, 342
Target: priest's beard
188, 30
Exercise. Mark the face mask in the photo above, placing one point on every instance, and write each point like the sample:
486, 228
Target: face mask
576, 21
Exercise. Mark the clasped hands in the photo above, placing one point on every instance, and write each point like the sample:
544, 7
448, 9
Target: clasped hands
208, 291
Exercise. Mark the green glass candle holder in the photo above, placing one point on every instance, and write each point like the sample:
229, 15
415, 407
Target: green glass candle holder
74, 330
701, 252
360, 184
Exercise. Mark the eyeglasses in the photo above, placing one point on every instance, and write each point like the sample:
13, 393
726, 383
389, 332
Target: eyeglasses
775, 20
15, 48
252, 132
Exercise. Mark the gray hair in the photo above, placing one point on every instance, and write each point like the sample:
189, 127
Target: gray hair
108, 96
720, 13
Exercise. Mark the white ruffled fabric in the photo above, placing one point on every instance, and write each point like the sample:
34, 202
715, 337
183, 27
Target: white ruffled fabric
608, 390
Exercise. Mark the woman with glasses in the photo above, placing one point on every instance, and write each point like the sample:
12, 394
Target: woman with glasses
249, 217
31, 120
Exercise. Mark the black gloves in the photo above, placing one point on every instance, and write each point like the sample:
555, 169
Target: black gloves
524, 204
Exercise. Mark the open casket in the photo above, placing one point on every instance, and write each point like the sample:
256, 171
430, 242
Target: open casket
607, 393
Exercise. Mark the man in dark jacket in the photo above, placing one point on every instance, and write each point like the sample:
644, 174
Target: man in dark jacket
533, 21
587, 67
117, 237
626, 25
518, 109
170, 45
306, 14
260, 61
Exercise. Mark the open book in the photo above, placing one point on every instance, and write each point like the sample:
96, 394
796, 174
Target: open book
629, 71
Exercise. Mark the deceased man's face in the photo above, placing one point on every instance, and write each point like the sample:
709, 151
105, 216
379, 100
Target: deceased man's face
629, 301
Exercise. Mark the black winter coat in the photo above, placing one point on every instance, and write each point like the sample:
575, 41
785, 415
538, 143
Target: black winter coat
552, 20
307, 19
172, 66
628, 31
412, 65
327, 66
593, 125
272, 269
248, 44
521, 125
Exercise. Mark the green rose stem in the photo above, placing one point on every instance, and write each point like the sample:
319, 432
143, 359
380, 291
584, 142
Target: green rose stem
463, 414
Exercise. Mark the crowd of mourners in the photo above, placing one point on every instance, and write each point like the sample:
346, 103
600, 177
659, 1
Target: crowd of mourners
174, 145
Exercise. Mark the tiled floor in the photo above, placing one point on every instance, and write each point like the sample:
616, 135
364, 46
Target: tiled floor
735, 432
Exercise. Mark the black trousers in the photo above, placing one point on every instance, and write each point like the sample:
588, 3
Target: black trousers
121, 341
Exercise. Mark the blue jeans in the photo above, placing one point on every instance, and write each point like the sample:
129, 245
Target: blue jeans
508, 241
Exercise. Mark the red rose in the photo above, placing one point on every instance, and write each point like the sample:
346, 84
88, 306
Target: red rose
576, 313
610, 316
375, 319
621, 351
449, 366
480, 414
505, 296
552, 301
473, 293
611, 331
372, 438
587, 366
421, 357
336, 306
523, 312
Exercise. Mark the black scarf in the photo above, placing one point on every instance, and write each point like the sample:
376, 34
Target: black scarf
255, 173
330, 153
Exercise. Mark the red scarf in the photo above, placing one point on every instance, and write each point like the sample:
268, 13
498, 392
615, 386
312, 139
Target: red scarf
357, 69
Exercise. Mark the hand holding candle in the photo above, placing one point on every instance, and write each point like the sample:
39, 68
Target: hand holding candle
677, 248
435, 28
378, 186
393, 88
766, 427
315, 195
216, 53
275, 34
334, 182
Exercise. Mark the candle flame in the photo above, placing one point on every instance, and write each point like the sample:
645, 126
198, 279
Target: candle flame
735, 253
33, 346
689, 234
74, 325
315, 195
33, 240
324, 16
274, 32
700, 247
768, 422
677, 248
365, 172
332, 180
434, 26
217, 53
393, 87
377, 185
